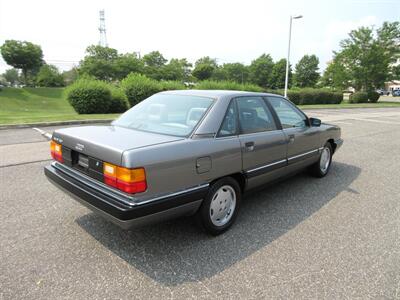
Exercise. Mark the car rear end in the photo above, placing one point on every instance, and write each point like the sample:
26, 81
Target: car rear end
109, 169
118, 193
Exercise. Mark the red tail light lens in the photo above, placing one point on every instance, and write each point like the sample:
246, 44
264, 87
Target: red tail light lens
130, 181
56, 151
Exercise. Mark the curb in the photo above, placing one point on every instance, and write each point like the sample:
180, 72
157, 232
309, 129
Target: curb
60, 123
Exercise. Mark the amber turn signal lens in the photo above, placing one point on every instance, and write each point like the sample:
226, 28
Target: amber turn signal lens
127, 180
56, 151
131, 175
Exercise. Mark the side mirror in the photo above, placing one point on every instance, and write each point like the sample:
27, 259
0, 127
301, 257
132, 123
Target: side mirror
315, 122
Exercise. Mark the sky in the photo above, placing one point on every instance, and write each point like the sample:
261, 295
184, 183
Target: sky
228, 30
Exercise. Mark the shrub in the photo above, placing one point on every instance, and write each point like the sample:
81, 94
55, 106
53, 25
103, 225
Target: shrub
49, 76
172, 85
227, 85
373, 96
337, 97
217, 85
308, 96
364, 97
276, 92
314, 96
119, 102
88, 96
359, 97
252, 88
294, 96
138, 87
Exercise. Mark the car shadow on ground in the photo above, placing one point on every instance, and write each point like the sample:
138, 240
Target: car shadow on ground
176, 252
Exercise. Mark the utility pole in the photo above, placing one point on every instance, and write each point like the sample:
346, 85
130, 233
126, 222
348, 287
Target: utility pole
102, 30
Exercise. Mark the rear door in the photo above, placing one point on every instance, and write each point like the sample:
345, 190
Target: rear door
303, 140
262, 142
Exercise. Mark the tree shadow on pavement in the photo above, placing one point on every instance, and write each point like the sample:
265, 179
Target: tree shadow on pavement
176, 252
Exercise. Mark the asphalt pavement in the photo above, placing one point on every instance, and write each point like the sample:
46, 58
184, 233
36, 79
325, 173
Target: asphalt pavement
304, 238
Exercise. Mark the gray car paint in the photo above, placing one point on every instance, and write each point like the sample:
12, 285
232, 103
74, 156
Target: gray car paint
171, 162
108, 142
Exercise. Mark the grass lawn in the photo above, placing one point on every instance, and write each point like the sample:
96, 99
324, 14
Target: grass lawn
34, 105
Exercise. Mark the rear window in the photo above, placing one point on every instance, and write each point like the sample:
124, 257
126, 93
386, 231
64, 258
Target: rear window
166, 114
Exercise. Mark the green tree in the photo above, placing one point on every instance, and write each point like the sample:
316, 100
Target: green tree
236, 72
388, 37
277, 80
154, 63
22, 55
126, 64
336, 74
219, 74
70, 76
261, 70
99, 62
49, 76
177, 69
395, 72
204, 68
368, 56
11, 76
154, 59
306, 71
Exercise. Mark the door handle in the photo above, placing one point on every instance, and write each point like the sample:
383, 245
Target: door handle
249, 146
291, 138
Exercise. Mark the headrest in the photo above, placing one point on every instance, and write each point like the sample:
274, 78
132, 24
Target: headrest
194, 115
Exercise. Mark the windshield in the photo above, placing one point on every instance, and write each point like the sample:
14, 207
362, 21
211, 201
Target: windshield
166, 114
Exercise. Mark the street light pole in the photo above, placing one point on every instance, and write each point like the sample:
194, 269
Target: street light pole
288, 53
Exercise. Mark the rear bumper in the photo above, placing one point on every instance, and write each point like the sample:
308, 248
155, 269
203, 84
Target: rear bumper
110, 206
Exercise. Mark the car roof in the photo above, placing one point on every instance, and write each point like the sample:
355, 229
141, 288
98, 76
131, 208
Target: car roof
215, 93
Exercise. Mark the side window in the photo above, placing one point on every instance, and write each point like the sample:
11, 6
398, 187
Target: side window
229, 125
254, 115
288, 115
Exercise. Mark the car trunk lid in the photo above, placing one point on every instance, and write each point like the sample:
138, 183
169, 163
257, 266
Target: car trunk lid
107, 143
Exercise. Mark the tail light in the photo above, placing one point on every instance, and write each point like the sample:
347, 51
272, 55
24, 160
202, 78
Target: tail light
56, 151
130, 181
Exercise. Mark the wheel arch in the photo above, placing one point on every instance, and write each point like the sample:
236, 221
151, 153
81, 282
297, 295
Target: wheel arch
238, 177
333, 144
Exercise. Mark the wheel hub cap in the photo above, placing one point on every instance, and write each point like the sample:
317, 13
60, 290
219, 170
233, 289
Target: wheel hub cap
223, 205
325, 159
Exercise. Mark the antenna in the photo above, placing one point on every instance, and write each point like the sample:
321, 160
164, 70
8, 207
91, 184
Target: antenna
102, 30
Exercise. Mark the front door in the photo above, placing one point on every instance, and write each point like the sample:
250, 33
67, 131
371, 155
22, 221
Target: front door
303, 141
263, 144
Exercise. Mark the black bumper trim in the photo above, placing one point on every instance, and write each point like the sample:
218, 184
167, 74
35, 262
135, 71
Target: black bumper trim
115, 208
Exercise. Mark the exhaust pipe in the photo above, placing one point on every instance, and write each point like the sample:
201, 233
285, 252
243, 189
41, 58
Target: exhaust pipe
45, 134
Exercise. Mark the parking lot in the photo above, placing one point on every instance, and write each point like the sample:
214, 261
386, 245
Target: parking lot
336, 237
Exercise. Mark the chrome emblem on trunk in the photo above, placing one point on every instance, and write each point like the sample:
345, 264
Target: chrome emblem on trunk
79, 147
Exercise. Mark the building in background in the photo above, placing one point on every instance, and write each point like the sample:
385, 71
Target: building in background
392, 85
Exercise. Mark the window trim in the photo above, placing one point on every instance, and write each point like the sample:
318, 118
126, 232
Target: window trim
291, 104
265, 107
218, 135
274, 114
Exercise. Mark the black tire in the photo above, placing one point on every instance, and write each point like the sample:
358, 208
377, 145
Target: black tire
204, 213
316, 169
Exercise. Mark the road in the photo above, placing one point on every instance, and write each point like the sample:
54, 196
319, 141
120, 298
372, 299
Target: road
336, 237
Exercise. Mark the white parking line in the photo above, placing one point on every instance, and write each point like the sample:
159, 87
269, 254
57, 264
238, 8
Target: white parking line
341, 122
374, 116
377, 121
